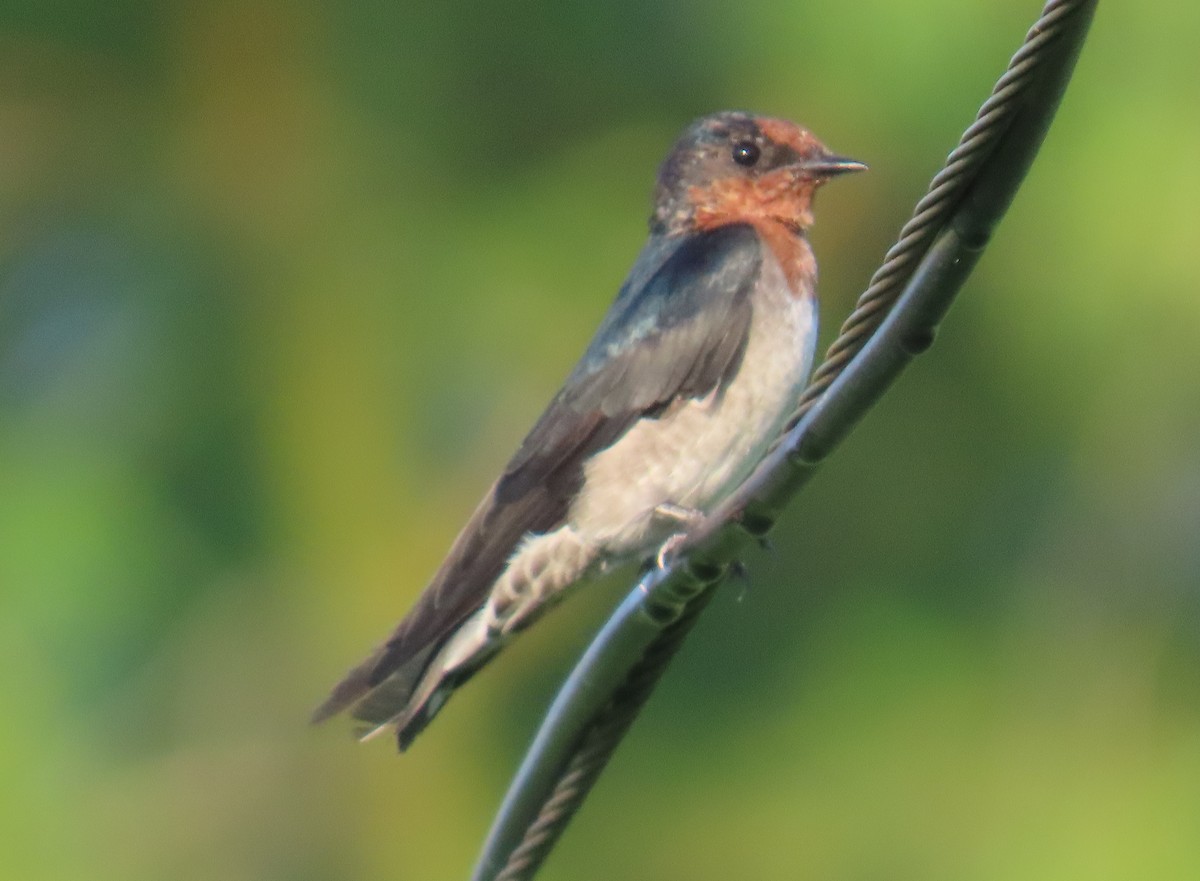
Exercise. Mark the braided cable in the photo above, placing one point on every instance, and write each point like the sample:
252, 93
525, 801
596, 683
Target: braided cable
597, 745
938, 203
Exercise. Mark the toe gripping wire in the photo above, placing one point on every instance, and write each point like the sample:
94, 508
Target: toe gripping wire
949, 227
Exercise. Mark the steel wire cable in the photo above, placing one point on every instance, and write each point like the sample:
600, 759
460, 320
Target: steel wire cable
938, 203
597, 746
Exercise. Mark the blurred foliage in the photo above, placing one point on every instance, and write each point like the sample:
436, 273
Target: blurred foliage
281, 285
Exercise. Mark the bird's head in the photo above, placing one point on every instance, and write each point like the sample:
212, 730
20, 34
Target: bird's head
734, 167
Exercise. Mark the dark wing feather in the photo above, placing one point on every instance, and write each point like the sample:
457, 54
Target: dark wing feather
679, 333
677, 329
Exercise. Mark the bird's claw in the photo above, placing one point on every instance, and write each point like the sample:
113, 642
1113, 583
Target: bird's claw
688, 518
669, 548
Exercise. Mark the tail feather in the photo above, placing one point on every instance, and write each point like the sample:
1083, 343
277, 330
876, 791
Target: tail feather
390, 698
373, 700
408, 697
353, 686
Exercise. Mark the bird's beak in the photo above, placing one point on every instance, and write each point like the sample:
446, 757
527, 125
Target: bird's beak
830, 166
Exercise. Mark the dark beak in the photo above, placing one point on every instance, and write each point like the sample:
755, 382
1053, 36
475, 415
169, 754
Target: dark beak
831, 166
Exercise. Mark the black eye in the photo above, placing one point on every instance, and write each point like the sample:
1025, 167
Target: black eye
746, 153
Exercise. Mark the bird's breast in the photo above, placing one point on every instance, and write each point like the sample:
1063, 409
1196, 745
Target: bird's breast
699, 450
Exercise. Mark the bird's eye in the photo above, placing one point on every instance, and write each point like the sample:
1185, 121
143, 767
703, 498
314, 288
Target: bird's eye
746, 153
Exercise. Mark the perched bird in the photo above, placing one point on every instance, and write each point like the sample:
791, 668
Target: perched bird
689, 379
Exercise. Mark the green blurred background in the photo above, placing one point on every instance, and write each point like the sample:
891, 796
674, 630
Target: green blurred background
281, 286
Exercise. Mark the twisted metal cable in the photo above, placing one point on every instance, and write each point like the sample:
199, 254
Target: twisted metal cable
597, 745
938, 203
598, 742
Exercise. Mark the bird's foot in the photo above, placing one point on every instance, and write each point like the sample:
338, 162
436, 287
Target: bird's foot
667, 552
688, 518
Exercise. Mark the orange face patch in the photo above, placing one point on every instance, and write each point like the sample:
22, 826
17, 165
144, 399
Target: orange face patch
780, 196
777, 205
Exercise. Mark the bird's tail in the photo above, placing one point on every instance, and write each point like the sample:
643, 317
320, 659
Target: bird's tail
410, 696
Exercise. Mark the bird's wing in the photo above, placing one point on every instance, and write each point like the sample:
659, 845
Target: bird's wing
677, 329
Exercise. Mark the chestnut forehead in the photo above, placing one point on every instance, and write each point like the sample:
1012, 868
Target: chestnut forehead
787, 134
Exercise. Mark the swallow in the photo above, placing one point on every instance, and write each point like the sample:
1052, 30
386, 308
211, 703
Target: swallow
692, 374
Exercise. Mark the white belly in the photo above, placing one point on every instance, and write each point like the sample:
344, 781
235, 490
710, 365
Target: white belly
701, 450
